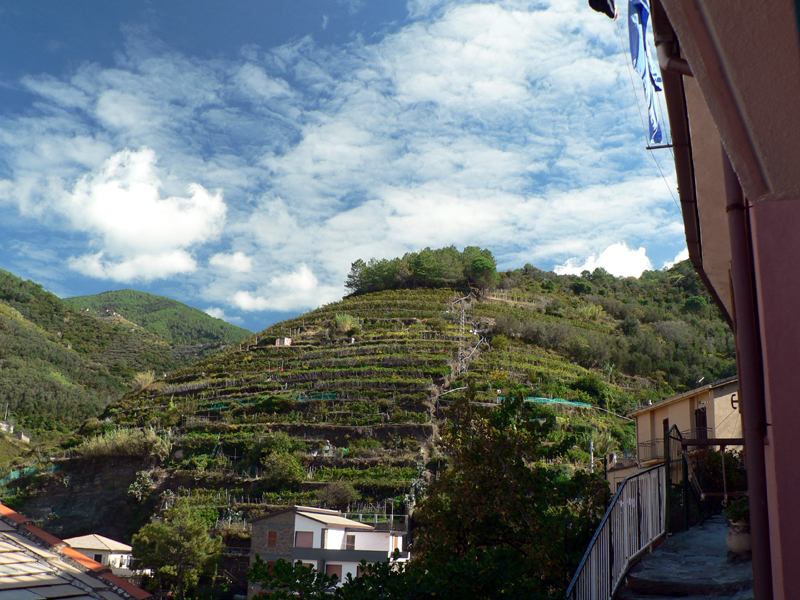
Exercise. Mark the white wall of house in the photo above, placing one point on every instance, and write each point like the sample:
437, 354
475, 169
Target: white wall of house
372, 540
305, 524
336, 539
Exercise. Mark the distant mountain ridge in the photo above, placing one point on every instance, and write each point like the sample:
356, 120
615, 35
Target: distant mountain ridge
172, 320
60, 365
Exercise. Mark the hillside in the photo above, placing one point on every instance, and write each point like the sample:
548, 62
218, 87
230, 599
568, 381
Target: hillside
360, 393
169, 319
362, 410
59, 366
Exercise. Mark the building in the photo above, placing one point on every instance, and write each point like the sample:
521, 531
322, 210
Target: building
37, 565
322, 538
108, 552
708, 412
283, 341
731, 77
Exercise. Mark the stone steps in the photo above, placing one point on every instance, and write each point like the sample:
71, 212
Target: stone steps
691, 565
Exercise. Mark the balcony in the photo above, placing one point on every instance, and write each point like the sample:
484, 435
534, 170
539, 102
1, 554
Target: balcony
654, 449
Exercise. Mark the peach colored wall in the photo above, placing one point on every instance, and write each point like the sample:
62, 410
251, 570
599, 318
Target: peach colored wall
777, 257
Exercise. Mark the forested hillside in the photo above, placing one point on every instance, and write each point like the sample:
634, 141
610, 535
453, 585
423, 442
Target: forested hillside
165, 317
59, 365
397, 397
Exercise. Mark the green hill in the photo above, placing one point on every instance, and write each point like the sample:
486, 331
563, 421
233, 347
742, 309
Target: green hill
167, 318
60, 365
371, 377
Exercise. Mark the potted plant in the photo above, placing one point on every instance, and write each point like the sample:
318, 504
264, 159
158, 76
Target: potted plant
738, 514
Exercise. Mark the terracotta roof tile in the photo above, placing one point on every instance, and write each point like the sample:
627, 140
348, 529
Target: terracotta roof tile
13, 515
44, 536
126, 585
84, 560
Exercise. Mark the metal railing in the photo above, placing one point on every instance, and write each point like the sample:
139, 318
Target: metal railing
654, 449
635, 518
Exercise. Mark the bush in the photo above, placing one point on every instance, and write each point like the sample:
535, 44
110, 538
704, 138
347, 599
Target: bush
134, 443
338, 494
283, 469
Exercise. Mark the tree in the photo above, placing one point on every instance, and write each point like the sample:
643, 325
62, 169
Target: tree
338, 494
505, 500
178, 547
284, 581
354, 281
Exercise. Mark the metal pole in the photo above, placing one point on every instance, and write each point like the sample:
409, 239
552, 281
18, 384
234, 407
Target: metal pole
751, 379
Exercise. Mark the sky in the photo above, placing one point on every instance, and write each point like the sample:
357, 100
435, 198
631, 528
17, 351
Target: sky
239, 156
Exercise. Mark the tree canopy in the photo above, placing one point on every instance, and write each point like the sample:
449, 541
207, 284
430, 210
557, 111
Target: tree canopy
444, 267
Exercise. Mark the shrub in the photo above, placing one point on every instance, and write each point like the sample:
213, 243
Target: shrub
143, 379
283, 469
139, 443
338, 494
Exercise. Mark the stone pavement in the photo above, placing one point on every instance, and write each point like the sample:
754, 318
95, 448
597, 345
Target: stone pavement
691, 565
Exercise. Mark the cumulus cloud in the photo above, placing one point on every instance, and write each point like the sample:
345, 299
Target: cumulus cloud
509, 125
219, 313
295, 290
681, 256
146, 267
618, 259
237, 262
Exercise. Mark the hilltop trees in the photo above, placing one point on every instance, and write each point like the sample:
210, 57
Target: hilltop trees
444, 267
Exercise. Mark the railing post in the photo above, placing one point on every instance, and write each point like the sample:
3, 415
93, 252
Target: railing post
668, 482
686, 513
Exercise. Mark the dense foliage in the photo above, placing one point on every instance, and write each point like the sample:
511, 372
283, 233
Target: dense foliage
507, 517
177, 547
444, 267
59, 366
167, 318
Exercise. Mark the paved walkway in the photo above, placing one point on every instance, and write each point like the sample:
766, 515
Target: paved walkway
692, 565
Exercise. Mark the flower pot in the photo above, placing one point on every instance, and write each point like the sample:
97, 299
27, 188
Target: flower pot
738, 538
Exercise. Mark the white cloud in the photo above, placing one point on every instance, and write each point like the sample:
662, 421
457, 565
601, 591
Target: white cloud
290, 291
219, 313
145, 267
681, 256
509, 125
237, 262
618, 259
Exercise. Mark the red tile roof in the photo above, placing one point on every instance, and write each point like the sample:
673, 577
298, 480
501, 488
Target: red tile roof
51, 561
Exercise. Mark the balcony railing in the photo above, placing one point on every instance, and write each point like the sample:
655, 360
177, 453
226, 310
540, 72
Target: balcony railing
634, 520
654, 449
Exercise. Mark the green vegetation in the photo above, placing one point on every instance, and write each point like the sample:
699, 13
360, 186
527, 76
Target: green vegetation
410, 393
59, 366
445, 267
178, 548
138, 443
167, 318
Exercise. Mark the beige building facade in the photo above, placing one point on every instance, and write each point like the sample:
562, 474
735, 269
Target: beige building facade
708, 412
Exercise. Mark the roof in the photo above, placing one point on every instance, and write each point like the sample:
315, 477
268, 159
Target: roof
683, 396
335, 520
321, 515
35, 565
97, 542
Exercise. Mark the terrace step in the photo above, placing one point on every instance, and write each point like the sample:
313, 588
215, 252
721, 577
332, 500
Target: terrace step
688, 565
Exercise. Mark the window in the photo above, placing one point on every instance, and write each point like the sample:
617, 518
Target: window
359, 571
332, 570
304, 539
272, 538
350, 544
99, 558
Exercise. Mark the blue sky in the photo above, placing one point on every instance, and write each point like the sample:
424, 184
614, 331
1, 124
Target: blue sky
240, 156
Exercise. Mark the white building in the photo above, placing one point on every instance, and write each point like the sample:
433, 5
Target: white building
108, 552
322, 538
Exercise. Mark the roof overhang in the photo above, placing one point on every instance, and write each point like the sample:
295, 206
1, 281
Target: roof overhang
745, 62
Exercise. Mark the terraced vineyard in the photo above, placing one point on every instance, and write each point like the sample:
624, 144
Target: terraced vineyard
358, 396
